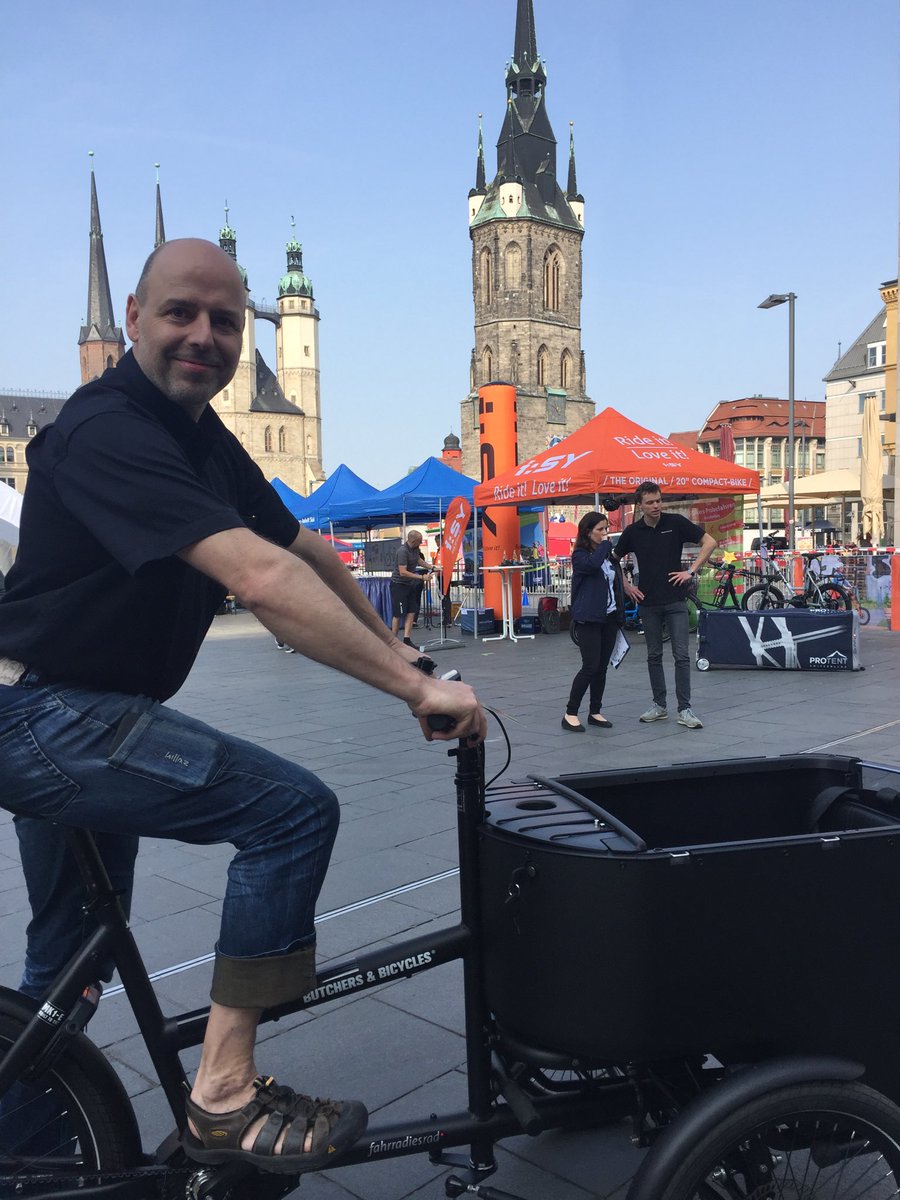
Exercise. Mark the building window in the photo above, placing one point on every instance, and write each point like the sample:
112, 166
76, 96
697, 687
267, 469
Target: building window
542, 359
10, 454
565, 370
282, 440
875, 354
512, 266
486, 271
4, 429
10, 482
267, 440
31, 430
552, 280
820, 460
487, 365
306, 351
776, 454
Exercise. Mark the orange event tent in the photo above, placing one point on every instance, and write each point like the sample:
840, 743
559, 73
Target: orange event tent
611, 455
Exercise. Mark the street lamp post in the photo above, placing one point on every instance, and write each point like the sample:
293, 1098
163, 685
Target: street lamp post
772, 302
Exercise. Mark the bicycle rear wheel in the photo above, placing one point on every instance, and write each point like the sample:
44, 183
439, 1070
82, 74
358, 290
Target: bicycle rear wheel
832, 598
822, 1141
763, 595
76, 1118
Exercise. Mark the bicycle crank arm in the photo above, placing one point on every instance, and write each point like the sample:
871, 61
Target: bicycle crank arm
454, 1186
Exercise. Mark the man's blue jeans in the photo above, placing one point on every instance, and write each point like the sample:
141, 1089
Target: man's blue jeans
675, 618
69, 757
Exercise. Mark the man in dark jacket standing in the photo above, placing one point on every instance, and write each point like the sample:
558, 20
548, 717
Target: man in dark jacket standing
656, 540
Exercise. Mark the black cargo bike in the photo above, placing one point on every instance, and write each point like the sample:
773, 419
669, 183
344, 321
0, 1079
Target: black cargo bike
707, 953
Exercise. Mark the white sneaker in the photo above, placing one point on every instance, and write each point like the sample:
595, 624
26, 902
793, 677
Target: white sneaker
687, 716
656, 713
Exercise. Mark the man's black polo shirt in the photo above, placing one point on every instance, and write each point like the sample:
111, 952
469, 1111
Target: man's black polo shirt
121, 482
658, 551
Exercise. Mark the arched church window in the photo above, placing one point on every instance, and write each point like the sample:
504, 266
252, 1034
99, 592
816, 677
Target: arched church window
565, 370
109, 361
512, 266
267, 440
553, 279
10, 454
486, 273
543, 360
282, 440
487, 365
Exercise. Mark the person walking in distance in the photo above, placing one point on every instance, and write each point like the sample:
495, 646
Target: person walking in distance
656, 540
598, 609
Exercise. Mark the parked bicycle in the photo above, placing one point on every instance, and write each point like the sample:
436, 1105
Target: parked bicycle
739, 1082
818, 593
725, 594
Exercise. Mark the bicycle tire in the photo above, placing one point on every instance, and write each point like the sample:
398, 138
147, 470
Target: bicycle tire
76, 1118
864, 614
761, 596
834, 598
821, 1141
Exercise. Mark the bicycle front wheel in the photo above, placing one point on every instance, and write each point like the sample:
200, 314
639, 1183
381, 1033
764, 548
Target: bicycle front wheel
823, 1141
763, 595
75, 1118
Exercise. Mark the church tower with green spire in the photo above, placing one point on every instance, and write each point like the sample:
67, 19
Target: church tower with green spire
526, 267
297, 356
100, 343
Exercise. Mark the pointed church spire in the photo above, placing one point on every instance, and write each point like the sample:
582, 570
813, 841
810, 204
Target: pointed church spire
479, 165
101, 340
572, 186
525, 54
160, 227
526, 148
101, 323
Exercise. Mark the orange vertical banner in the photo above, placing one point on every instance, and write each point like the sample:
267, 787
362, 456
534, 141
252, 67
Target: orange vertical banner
499, 438
455, 523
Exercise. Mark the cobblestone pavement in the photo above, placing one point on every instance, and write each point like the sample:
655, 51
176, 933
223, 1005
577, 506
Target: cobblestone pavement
400, 1047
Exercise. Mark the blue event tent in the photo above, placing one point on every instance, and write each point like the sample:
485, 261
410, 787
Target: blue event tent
343, 486
420, 496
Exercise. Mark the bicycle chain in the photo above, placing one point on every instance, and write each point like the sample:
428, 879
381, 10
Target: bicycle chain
35, 1185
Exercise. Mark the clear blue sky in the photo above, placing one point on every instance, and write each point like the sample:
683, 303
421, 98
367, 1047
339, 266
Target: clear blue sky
726, 149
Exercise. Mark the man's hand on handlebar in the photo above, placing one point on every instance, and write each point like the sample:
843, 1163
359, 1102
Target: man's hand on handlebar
451, 698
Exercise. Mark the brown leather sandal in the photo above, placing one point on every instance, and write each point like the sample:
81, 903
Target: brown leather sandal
334, 1125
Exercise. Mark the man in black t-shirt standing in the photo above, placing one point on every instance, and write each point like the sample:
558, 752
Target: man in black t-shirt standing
656, 540
406, 585
140, 514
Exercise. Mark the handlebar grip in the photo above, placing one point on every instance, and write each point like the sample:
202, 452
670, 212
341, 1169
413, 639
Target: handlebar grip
440, 723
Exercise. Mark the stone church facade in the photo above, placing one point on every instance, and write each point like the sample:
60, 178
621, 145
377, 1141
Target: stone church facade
526, 238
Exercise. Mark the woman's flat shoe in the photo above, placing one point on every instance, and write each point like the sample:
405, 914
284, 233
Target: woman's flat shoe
602, 723
579, 728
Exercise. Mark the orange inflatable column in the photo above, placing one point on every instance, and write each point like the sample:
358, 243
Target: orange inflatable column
499, 523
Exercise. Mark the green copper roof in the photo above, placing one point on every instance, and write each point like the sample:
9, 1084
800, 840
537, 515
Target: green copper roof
295, 283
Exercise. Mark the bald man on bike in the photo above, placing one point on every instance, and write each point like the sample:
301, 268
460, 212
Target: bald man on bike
141, 513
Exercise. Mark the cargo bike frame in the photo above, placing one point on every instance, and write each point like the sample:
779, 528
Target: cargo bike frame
726, 1127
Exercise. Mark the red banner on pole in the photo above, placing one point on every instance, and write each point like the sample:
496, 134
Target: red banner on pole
455, 523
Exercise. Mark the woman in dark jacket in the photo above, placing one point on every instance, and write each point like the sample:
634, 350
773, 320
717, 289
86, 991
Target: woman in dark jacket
598, 608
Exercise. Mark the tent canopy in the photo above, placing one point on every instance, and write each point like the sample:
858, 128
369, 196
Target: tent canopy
10, 511
822, 488
419, 496
611, 455
341, 487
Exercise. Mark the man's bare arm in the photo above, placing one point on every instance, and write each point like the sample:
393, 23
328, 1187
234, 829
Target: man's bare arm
298, 606
707, 544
